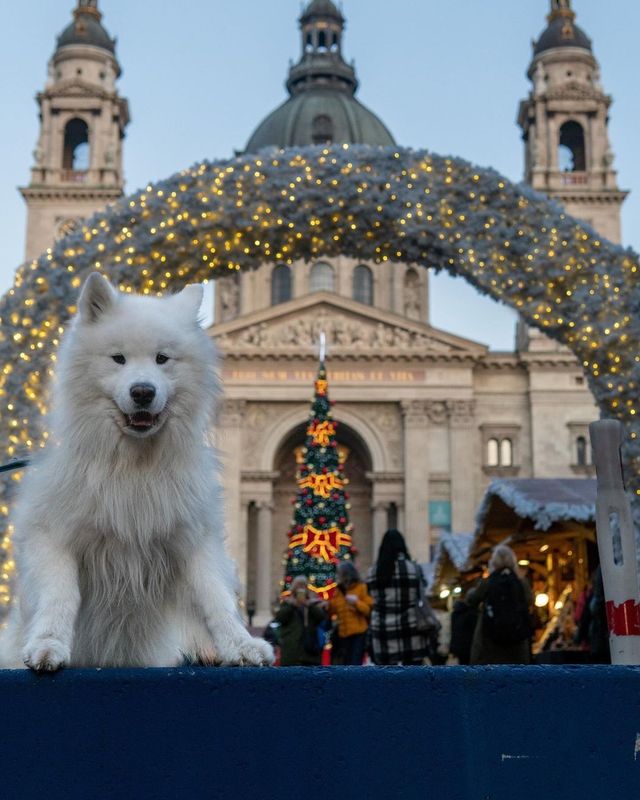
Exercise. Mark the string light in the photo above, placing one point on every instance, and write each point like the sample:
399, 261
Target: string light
373, 204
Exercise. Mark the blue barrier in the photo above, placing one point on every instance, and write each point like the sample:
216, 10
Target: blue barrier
496, 733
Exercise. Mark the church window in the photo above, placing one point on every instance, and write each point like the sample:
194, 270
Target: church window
493, 453
308, 45
411, 295
506, 453
322, 41
581, 451
322, 129
76, 146
571, 151
334, 42
280, 284
322, 277
363, 285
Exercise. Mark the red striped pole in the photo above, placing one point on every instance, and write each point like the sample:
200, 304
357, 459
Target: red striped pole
616, 544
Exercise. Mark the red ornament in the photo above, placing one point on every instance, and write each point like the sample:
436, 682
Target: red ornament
310, 501
342, 520
300, 528
325, 470
322, 520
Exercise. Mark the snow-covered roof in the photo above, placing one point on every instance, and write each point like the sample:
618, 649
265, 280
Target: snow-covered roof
543, 500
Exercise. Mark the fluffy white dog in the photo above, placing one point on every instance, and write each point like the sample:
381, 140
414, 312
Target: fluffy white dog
119, 532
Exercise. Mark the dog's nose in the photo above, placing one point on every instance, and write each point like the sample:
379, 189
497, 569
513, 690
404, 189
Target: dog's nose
142, 394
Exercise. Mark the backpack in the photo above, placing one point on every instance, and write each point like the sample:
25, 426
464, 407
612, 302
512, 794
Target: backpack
505, 616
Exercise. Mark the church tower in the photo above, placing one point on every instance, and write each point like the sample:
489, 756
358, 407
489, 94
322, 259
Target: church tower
564, 122
77, 167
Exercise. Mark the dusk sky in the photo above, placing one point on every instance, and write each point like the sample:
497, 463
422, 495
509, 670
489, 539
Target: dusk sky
201, 75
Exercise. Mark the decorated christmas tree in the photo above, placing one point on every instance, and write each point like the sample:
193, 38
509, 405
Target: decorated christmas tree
320, 535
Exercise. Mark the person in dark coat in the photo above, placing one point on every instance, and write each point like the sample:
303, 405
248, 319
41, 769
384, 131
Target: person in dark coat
299, 616
485, 650
395, 584
463, 624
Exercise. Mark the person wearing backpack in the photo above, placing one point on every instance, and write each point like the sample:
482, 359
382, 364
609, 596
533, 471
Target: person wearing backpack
503, 631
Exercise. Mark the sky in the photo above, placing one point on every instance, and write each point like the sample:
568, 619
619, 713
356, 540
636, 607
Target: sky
200, 76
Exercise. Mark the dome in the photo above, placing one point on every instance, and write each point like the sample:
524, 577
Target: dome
320, 115
561, 32
322, 106
86, 28
322, 8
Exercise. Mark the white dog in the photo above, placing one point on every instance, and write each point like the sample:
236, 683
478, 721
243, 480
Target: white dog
118, 532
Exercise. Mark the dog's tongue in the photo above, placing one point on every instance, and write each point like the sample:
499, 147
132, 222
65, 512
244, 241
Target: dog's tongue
141, 419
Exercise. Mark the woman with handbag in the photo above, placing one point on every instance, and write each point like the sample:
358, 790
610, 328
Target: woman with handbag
351, 604
300, 617
399, 625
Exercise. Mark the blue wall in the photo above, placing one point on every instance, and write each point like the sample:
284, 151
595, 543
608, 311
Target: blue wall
549, 733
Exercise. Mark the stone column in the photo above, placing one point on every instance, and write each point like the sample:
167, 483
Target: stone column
264, 554
229, 442
380, 511
416, 478
242, 559
463, 447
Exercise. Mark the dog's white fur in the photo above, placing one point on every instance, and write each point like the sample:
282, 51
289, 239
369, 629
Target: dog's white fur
119, 532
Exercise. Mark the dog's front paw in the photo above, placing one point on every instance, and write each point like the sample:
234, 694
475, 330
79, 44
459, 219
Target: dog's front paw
46, 654
245, 651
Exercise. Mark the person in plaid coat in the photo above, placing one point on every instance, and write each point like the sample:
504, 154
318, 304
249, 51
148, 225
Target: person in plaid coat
394, 584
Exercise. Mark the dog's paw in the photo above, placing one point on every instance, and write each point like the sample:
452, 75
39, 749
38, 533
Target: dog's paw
244, 651
46, 654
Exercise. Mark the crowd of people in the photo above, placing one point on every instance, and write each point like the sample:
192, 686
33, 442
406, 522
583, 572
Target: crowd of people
387, 619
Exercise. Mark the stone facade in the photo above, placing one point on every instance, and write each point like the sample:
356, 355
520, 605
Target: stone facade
420, 416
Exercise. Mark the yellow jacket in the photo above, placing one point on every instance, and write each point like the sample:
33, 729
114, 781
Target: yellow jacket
354, 618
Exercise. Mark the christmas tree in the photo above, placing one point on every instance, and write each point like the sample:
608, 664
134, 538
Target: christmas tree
320, 535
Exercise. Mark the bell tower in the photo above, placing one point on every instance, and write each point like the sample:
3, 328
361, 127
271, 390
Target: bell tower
564, 123
77, 162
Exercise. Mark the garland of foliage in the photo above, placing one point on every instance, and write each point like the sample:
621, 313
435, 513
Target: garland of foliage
371, 203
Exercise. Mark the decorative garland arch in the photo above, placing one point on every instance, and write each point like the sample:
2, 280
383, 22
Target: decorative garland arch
388, 204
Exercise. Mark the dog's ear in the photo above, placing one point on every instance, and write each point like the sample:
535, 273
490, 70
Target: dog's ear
96, 298
189, 299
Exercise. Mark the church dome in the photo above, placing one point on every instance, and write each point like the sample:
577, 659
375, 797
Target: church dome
322, 107
86, 28
561, 30
319, 116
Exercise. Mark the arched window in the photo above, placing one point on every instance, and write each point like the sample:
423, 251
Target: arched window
363, 285
334, 42
411, 295
571, 152
322, 41
308, 42
493, 453
322, 129
280, 284
75, 155
322, 277
506, 453
581, 451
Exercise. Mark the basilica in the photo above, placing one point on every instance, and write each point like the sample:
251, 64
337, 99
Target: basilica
427, 418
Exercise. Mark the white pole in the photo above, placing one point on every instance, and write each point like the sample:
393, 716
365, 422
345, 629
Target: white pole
616, 544
323, 346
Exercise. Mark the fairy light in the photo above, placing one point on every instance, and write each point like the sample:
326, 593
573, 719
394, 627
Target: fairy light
370, 203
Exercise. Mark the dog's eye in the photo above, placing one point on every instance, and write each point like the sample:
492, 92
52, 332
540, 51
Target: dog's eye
161, 358
119, 358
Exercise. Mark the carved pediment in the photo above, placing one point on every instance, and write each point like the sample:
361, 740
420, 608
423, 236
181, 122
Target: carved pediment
77, 88
572, 90
349, 331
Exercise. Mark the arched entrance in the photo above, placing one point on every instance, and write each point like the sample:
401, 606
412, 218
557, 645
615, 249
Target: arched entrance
358, 467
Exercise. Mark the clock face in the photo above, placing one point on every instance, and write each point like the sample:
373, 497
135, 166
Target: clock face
65, 227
